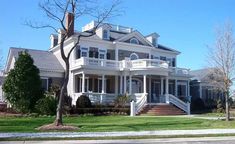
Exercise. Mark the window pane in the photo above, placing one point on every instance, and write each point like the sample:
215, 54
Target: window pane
44, 84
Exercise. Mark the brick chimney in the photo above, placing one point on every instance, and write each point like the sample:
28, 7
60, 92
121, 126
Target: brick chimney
70, 24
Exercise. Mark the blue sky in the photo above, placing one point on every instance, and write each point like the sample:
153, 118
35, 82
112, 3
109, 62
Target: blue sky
185, 25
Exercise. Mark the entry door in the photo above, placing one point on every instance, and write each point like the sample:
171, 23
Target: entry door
156, 91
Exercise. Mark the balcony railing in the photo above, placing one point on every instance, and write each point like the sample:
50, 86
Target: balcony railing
128, 64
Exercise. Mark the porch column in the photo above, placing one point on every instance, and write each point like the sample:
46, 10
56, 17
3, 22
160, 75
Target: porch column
161, 85
124, 83
150, 89
73, 83
121, 82
200, 90
116, 85
83, 82
116, 54
102, 91
167, 86
144, 79
188, 86
130, 84
176, 88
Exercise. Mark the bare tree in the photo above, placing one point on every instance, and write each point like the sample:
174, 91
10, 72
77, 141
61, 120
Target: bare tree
222, 59
57, 10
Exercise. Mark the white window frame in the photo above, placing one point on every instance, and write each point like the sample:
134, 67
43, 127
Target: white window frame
137, 41
104, 52
106, 38
85, 50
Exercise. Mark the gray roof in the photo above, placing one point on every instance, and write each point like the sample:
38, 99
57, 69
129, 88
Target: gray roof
44, 60
200, 74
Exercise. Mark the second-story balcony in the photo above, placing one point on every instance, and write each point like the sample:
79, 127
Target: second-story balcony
127, 64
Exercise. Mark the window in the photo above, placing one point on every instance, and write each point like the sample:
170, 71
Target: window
173, 62
102, 53
44, 84
163, 58
93, 52
105, 34
84, 52
134, 41
154, 41
134, 56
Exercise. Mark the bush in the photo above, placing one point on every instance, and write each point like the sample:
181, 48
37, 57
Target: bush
102, 111
83, 102
197, 104
46, 105
121, 101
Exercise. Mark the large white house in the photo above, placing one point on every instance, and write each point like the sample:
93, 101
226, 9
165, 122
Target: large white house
116, 60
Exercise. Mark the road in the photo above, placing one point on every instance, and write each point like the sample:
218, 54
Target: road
198, 140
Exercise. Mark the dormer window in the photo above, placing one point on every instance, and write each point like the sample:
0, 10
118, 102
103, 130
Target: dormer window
134, 41
105, 34
154, 42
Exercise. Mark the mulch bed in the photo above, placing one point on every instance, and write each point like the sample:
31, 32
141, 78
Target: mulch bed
53, 127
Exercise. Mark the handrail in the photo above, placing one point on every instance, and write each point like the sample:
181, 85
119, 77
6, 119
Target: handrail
177, 102
141, 103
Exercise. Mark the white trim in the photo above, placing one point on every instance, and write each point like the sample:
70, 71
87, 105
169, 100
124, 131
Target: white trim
134, 39
134, 54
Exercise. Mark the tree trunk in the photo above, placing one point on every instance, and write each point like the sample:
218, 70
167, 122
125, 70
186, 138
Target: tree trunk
227, 105
59, 112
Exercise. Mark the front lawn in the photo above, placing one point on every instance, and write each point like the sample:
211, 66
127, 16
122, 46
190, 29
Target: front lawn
113, 123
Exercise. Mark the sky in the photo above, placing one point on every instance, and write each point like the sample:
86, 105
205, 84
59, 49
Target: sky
185, 25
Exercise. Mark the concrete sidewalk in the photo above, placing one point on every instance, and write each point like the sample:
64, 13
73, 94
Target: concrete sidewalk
116, 134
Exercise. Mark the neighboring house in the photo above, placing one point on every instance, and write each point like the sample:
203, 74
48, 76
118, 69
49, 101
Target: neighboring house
202, 87
117, 60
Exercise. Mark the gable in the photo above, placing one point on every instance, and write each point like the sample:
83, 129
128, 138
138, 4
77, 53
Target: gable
137, 35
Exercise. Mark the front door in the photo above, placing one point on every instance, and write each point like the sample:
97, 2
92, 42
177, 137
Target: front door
156, 91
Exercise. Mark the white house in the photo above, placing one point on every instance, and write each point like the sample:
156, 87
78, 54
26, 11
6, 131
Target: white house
116, 60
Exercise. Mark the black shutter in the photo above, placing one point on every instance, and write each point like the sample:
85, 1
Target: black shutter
91, 54
49, 83
78, 52
96, 54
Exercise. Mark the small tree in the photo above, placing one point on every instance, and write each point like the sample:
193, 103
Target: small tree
222, 58
23, 84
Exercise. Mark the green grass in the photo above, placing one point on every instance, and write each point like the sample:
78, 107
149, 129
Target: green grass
113, 123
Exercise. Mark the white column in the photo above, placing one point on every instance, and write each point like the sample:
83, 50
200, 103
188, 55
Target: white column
130, 84
167, 86
150, 88
188, 88
73, 83
116, 54
121, 82
124, 84
144, 79
116, 85
176, 88
103, 90
200, 90
161, 86
83, 82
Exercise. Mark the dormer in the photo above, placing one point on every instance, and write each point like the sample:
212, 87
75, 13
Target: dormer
54, 40
104, 32
153, 39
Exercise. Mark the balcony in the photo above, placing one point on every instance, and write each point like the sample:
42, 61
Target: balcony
139, 64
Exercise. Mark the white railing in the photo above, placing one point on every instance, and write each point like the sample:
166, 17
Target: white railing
148, 63
98, 97
180, 71
141, 102
96, 62
177, 102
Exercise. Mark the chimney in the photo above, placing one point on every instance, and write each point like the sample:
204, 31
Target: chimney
70, 24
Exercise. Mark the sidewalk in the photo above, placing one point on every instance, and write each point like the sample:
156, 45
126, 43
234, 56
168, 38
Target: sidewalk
116, 134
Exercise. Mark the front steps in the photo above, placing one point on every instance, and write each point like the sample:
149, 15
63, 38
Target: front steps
161, 110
